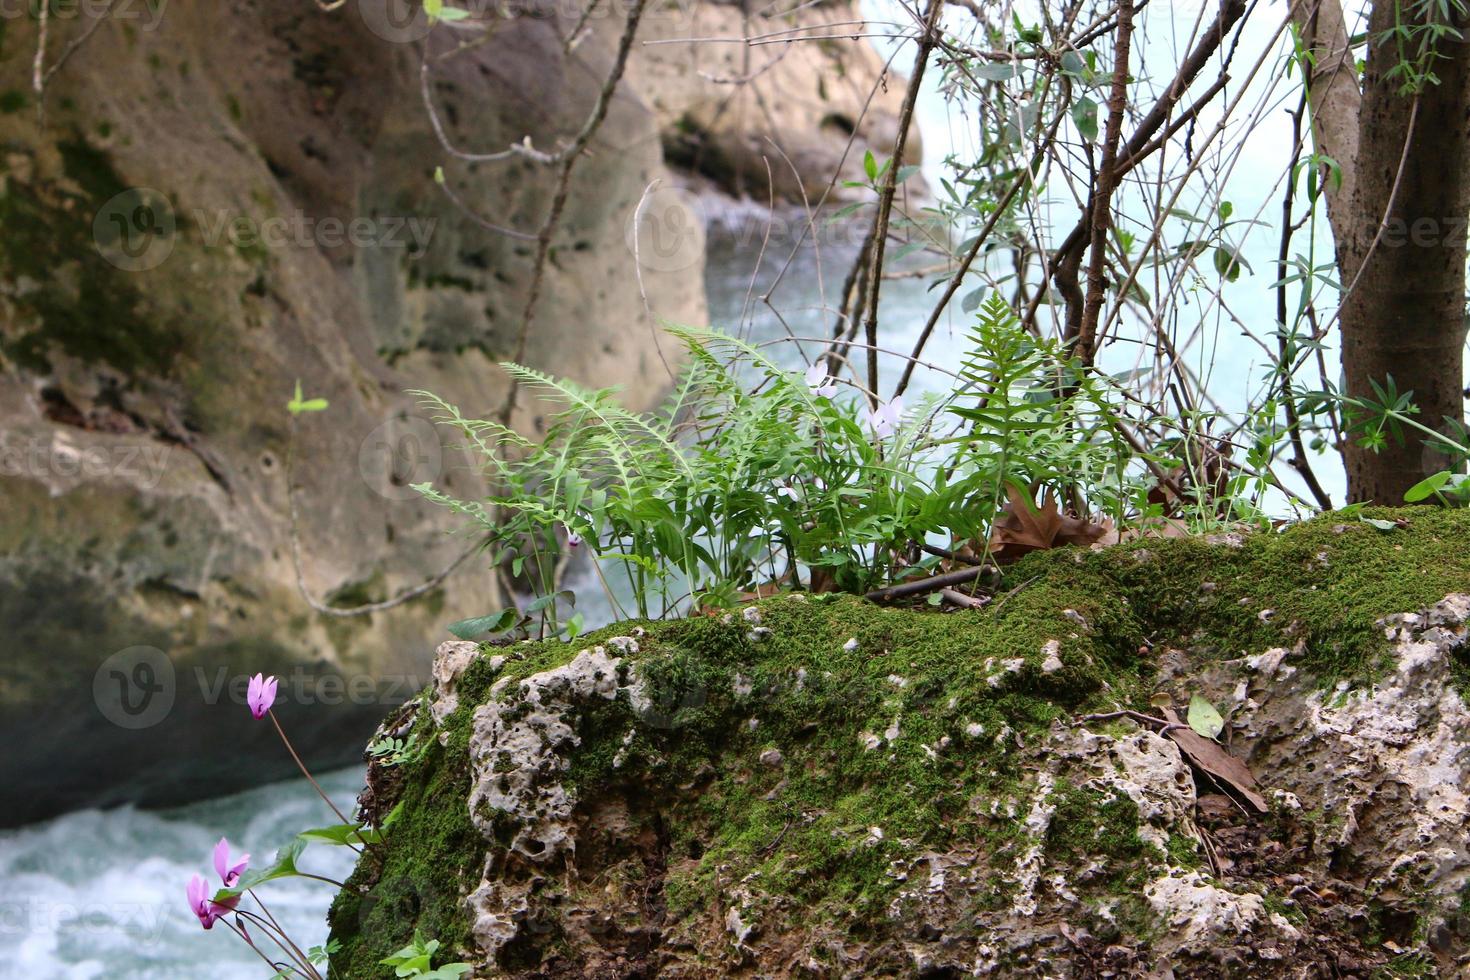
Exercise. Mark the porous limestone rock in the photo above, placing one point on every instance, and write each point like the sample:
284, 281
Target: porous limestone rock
709, 805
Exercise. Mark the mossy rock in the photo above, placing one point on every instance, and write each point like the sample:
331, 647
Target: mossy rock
821, 786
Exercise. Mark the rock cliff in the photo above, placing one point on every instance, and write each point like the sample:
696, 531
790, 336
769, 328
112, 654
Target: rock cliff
216, 201
828, 788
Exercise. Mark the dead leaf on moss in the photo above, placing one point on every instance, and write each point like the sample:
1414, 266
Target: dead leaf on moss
1024, 527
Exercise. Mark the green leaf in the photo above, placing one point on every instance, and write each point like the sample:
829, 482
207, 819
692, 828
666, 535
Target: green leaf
297, 404
1203, 717
341, 834
995, 71
1381, 525
1084, 114
1427, 487
543, 601
870, 165
499, 622
972, 299
1228, 262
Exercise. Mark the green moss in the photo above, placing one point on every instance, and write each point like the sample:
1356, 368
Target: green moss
432, 857
1323, 584
922, 736
74, 299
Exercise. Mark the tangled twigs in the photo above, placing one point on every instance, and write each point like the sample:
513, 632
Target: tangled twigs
934, 583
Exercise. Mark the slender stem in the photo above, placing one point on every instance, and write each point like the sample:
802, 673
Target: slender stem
330, 881
314, 784
280, 929
245, 938
283, 942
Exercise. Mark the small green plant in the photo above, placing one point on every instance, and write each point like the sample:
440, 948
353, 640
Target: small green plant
415, 959
316, 956
752, 477
395, 751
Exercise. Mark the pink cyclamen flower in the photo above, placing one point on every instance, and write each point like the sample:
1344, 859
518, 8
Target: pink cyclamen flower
261, 695
206, 910
819, 381
574, 539
228, 872
884, 419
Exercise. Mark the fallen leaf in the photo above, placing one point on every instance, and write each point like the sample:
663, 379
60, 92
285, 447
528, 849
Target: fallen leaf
1024, 527
1210, 757
1203, 717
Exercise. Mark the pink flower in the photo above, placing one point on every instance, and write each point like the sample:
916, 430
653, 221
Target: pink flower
884, 419
228, 873
261, 695
818, 380
205, 909
573, 538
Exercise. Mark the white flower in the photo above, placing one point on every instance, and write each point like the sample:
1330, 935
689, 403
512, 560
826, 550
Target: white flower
819, 381
884, 419
791, 493
573, 538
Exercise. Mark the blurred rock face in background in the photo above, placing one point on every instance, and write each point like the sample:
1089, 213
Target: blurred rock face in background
220, 200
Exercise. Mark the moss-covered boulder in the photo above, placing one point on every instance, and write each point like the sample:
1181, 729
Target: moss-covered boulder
823, 787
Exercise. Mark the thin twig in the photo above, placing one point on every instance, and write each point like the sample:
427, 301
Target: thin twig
927, 42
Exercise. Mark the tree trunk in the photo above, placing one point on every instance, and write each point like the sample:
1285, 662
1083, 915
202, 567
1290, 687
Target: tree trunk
1403, 314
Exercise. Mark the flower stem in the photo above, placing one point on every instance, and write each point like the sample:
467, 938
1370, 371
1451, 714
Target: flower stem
314, 784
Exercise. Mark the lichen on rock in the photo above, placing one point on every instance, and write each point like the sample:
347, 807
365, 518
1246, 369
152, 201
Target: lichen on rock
851, 793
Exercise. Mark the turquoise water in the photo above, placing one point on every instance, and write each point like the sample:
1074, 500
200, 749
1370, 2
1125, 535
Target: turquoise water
101, 894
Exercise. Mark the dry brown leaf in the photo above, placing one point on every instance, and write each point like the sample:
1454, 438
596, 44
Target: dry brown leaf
1210, 757
1024, 527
